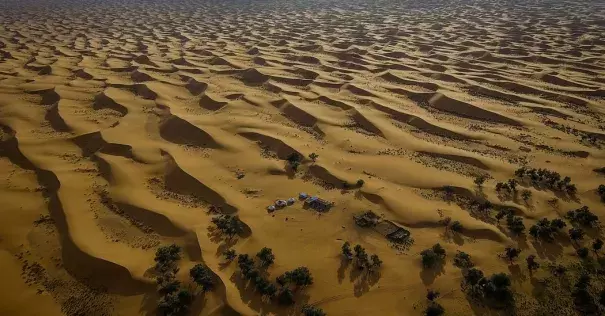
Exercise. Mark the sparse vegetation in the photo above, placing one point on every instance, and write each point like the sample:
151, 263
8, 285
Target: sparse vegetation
433, 256
582, 216
313, 157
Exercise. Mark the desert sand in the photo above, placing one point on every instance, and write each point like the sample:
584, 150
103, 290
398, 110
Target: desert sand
129, 125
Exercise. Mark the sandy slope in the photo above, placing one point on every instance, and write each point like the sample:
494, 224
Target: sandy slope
122, 122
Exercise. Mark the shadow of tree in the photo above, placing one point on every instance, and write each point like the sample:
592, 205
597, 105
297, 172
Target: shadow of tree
428, 275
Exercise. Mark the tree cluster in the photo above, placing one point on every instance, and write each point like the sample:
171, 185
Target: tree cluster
515, 223
546, 178
360, 256
494, 290
545, 229
228, 225
509, 187
433, 256
582, 216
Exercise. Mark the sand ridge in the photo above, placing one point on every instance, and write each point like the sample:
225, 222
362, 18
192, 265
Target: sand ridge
126, 124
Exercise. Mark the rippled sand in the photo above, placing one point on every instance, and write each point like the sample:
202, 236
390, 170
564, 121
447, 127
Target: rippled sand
122, 122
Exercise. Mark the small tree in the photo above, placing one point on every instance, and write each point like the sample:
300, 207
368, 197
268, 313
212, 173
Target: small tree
526, 195
309, 310
285, 296
346, 250
361, 257
230, 255
360, 183
473, 276
376, 263
457, 226
432, 295
582, 252
433, 256
515, 224
512, 253
313, 157
501, 214
294, 160
480, 180
266, 257
434, 309
597, 244
576, 234
202, 276
532, 264
166, 256
176, 303
463, 260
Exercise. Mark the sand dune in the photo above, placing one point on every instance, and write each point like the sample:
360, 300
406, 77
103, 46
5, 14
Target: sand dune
129, 125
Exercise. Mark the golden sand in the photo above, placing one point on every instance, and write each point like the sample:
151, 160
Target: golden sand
123, 122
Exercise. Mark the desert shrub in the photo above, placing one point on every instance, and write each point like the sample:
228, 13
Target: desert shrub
313, 156
375, 263
360, 183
